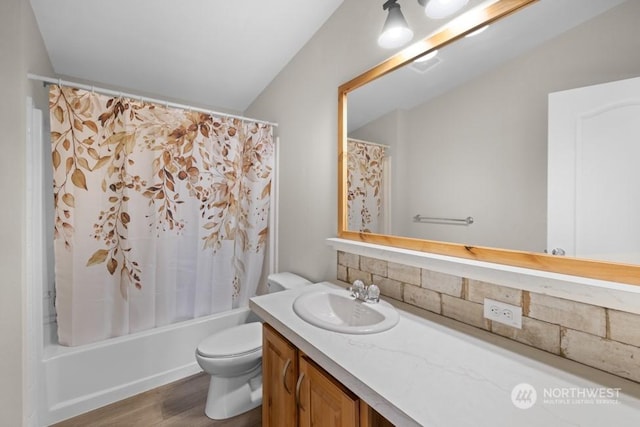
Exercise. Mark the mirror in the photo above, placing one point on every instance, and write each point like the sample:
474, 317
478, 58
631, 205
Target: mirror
468, 178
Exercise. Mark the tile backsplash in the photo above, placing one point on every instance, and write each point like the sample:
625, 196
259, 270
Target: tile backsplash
600, 337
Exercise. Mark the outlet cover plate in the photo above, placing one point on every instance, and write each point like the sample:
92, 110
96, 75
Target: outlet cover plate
502, 312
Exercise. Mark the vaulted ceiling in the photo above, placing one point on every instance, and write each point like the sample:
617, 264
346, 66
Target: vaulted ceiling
216, 53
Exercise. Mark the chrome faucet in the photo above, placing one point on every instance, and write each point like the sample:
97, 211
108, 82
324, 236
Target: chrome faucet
365, 293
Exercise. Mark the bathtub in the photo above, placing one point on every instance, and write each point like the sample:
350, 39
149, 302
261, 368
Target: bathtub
79, 379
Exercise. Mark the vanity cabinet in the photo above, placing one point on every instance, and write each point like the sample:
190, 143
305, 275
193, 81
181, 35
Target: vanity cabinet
298, 392
279, 373
323, 401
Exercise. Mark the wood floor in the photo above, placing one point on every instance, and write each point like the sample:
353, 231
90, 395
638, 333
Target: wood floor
179, 404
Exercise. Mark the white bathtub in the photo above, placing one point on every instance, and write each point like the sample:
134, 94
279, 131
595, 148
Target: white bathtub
79, 379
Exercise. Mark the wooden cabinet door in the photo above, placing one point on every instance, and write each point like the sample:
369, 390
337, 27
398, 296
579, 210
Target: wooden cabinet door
279, 373
323, 401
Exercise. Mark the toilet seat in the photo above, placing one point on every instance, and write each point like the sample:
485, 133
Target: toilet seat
241, 340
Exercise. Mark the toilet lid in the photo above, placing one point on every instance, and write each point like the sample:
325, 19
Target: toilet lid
234, 341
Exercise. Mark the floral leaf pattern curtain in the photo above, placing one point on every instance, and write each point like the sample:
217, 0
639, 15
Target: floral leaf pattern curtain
364, 185
160, 214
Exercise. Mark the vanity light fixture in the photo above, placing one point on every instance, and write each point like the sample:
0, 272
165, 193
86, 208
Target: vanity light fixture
396, 32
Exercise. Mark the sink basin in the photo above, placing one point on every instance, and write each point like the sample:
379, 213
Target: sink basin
336, 310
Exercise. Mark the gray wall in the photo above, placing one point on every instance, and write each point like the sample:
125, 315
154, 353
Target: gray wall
303, 99
22, 51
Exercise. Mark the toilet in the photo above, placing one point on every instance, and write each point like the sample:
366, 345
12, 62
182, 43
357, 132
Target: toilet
233, 358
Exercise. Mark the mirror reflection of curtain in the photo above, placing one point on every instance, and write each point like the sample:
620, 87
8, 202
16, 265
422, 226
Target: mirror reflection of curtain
366, 186
161, 214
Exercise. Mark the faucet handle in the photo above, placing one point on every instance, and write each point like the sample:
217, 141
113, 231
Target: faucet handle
373, 293
357, 288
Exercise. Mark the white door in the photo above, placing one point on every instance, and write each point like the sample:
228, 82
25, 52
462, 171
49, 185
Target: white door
594, 172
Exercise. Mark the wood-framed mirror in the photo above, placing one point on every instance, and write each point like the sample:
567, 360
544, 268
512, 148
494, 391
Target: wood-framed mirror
498, 12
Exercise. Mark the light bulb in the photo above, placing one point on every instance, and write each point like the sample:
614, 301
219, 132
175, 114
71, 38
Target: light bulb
438, 9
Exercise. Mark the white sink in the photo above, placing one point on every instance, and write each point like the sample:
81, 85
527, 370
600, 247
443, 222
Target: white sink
336, 310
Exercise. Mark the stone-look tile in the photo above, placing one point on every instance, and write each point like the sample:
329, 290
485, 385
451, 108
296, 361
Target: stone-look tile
624, 327
342, 273
423, 298
536, 333
388, 287
526, 302
441, 282
477, 291
572, 314
403, 273
373, 266
348, 260
464, 311
611, 356
354, 274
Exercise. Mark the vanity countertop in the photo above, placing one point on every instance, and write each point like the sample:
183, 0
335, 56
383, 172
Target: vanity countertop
432, 371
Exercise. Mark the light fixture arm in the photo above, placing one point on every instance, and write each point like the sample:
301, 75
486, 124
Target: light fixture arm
386, 6
390, 3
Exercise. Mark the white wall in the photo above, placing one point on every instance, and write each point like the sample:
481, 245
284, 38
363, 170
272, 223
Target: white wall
22, 51
480, 150
303, 99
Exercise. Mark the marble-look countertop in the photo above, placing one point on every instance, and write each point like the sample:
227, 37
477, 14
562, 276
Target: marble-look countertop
432, 371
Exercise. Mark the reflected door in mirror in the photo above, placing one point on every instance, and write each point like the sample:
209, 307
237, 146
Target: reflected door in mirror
594, 151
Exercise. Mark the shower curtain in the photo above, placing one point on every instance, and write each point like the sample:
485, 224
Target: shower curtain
161, 214
365, 174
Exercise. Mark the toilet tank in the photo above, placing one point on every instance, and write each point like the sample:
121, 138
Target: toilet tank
284, 281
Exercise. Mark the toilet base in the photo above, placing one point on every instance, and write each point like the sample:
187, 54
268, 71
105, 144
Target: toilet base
228, 397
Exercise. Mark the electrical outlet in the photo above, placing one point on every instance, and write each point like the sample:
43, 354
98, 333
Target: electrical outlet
503, 313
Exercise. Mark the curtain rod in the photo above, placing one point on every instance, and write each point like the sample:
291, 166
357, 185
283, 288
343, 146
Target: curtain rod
104, 91
368, 142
